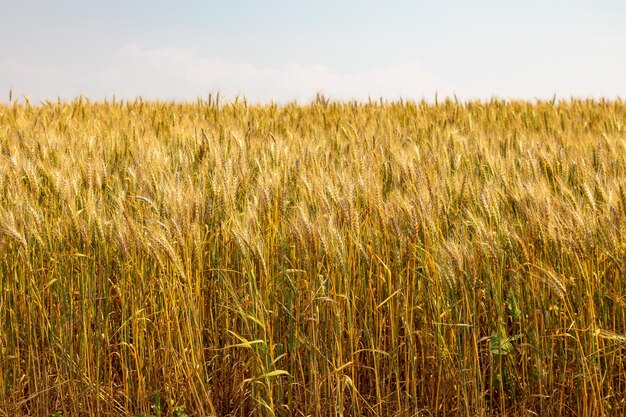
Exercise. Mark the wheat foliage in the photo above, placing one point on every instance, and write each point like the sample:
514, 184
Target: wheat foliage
335, 258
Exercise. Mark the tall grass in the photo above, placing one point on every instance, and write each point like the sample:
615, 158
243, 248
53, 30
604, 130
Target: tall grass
324, 259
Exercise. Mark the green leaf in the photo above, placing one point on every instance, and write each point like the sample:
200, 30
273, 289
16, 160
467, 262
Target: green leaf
512, 306
500, 345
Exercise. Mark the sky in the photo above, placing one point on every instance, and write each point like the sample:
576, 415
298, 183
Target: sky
291, 50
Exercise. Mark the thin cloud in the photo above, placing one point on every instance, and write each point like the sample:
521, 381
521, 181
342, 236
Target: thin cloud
171, 73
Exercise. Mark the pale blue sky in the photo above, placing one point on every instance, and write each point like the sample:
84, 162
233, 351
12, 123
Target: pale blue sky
289, 50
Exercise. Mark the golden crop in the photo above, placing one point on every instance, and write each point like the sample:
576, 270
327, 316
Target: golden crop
324, 259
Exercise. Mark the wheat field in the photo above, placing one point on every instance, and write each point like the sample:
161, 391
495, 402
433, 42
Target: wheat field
336, 258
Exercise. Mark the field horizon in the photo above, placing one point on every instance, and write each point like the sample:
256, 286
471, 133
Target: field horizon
349, 258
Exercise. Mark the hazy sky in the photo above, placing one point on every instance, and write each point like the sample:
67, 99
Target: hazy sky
289, 50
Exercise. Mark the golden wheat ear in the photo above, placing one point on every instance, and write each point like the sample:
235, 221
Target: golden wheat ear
335, 258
